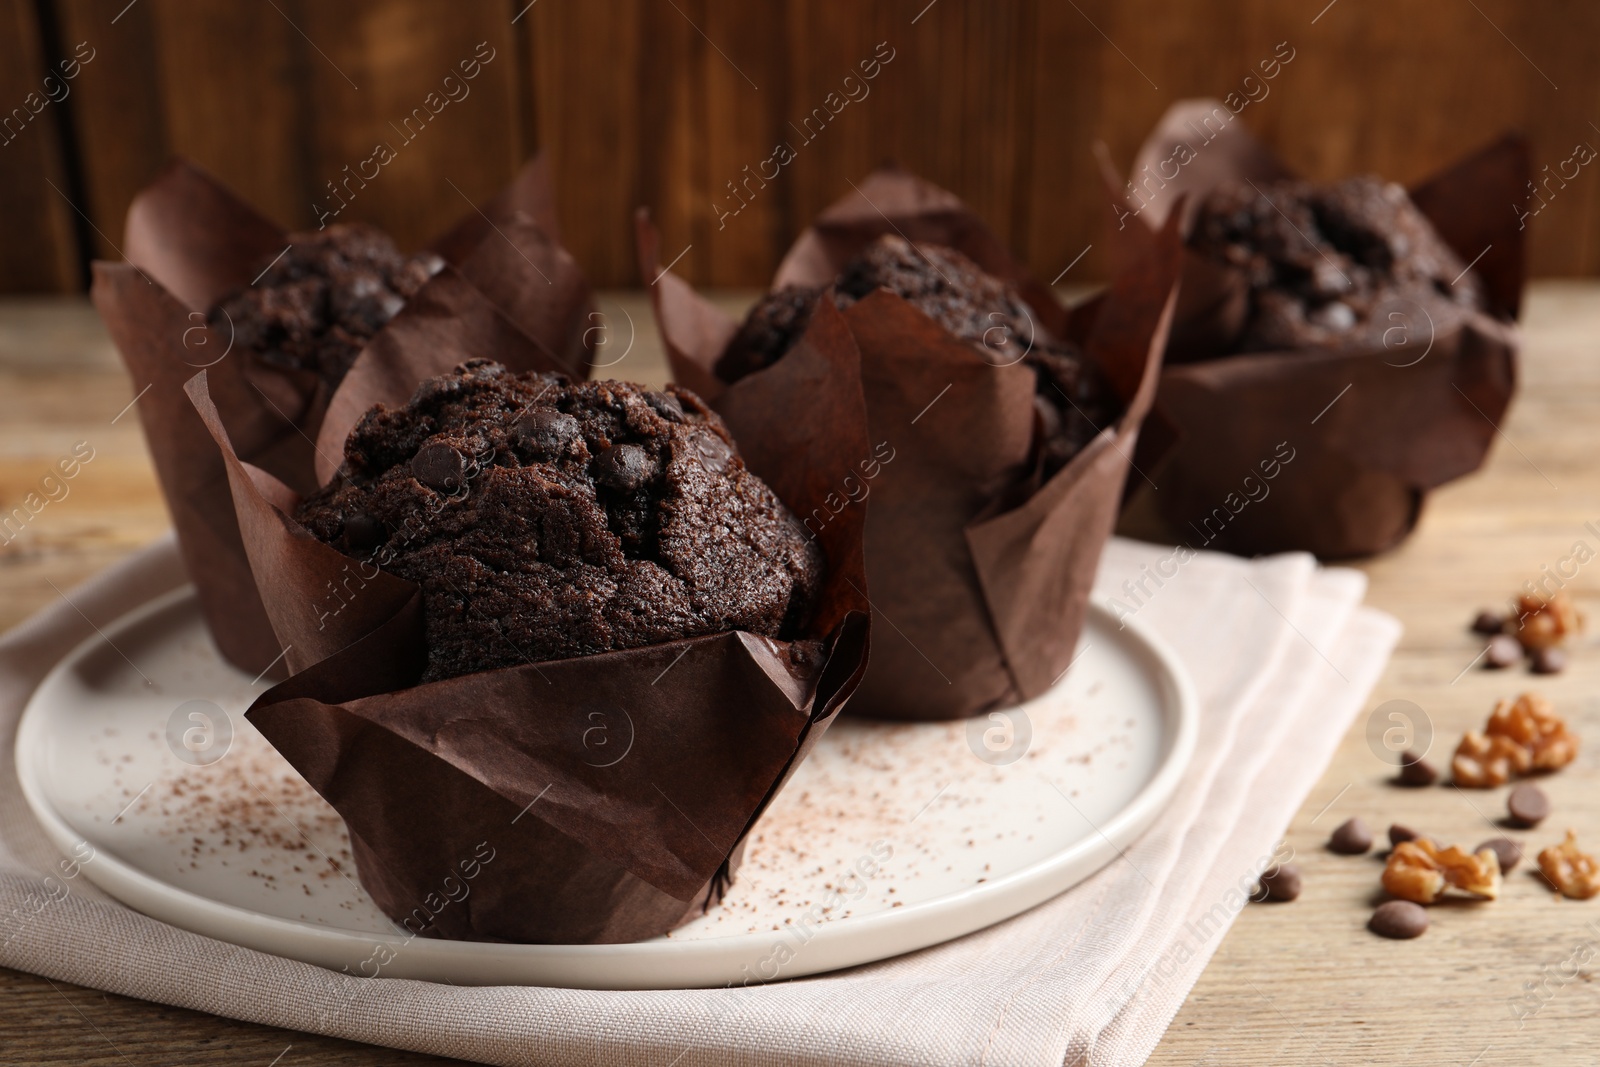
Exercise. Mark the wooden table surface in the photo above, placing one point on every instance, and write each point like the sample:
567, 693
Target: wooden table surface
1509, 982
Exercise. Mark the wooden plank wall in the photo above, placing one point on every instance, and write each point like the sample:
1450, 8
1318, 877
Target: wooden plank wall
666, 102
39, 250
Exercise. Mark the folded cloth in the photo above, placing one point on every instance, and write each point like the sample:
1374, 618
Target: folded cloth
1282, 655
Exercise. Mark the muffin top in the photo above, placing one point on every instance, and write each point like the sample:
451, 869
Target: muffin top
1337, 265
1072, 402
544, 519
315, 307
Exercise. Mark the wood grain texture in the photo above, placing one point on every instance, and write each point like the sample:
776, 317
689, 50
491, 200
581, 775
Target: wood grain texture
678, 104
39, 249
1295, 983
314, 94
1306, 982
378, 77
117, 114
591, 54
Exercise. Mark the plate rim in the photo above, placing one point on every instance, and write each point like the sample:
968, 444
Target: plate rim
865, 939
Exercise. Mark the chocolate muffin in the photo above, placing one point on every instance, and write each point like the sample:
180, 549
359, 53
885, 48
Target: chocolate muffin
545, 519
1334, 266
316, 305
1073, 402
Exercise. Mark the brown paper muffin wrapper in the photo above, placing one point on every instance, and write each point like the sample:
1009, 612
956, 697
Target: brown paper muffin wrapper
1370, 430
510, 288
978, 568
613, 792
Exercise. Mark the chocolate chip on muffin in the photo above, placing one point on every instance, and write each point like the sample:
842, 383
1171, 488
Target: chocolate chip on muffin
1073, 400
545, 519
315, 306
1346, 264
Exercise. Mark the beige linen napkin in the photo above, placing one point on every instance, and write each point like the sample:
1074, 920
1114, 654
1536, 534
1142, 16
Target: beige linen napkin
1282, 656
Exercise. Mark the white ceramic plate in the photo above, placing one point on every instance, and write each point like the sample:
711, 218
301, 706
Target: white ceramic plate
889, 838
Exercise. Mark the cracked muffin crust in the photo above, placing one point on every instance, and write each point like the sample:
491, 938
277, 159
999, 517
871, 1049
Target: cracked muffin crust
1072, 402
315, 306
1333, 265
545, 519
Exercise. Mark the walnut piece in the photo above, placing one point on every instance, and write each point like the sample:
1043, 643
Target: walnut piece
1482, 762
1531, 722
1570, 869
1420, 871
1522, 735
1412, 875
1544, 622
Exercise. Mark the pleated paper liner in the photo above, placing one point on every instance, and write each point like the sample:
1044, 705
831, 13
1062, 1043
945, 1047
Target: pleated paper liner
979, 568
586, 844
1331, 452
190, 242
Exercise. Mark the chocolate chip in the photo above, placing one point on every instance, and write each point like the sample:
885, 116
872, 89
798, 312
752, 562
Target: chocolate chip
390, 305
439, 466
544, 433
624, 467
1399, 833
666, 405
1550, 660
1488, 623
1352, 838
362, 531
1528, 806
1399, 919
1329, 280
712, 451
1504, 650
1336, 316
440, 390
428, 263
1281, 883
1507, 851
1416, 771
